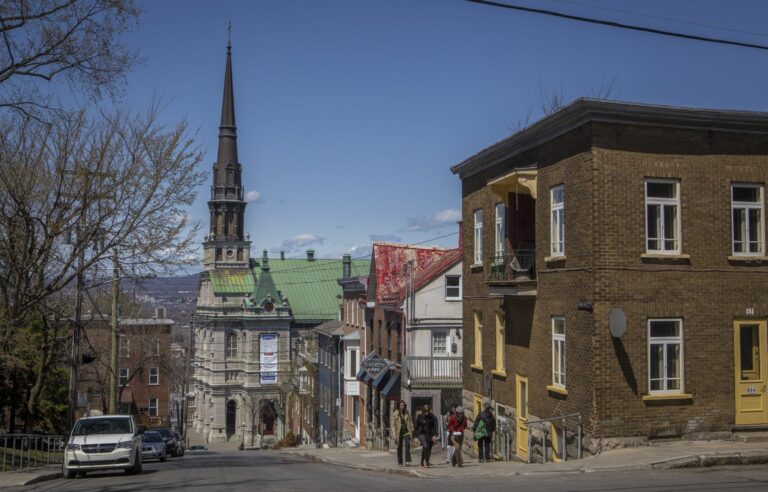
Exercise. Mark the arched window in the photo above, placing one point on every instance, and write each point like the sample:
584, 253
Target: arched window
231, 345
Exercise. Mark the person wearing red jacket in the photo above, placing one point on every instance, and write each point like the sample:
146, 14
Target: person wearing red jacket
456, 425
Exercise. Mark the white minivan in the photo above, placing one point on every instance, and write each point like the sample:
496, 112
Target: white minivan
105, 442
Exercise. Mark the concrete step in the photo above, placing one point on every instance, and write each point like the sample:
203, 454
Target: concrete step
751, 436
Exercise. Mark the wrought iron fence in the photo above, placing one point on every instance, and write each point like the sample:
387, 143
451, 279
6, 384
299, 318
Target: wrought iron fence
519, 265
23, 451
558, 430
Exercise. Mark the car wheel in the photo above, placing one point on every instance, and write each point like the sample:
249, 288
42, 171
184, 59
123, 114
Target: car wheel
69, 473
81, 474
136, 468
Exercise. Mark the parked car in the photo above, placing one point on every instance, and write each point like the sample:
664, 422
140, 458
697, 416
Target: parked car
106, 442
198, 449
180, 446
153, 446
169, 439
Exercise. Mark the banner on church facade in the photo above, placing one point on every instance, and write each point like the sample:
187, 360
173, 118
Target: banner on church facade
268, 358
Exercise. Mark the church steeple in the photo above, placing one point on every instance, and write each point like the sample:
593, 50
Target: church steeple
226, 246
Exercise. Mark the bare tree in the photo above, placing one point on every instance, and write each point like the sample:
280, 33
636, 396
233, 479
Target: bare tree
74, 40
118, 180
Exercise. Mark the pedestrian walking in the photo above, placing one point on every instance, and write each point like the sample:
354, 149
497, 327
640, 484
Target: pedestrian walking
456, 426
448, 443
402, 429
485, 425
426, 429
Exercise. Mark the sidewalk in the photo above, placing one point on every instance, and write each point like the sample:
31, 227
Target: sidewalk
678, 454
26, 477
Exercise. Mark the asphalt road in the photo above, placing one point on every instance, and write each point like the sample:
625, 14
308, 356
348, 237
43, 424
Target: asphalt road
265, 470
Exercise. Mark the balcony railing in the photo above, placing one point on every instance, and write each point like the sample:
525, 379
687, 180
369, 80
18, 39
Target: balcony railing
439, 372
514, 267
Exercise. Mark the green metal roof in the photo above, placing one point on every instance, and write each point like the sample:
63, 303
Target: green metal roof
232, 282
311, 286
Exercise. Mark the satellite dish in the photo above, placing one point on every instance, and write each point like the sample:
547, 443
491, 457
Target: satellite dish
618, 322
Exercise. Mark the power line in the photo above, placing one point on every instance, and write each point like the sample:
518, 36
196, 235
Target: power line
659, 17
621, 25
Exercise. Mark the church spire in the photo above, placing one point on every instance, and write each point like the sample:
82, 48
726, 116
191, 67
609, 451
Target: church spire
227, 154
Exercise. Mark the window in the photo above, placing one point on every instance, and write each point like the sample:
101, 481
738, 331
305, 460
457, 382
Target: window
124, 346
500, 343
231, 347
352, 365
478, 339
154, 375
557, 226
125, 408
748, 222
124, 377
558, 352
439, 343
662, 216
453, 287
156, 347
153, 405
500, 232
665, 356
478, 238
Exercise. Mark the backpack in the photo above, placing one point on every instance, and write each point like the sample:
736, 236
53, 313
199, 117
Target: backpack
480, 432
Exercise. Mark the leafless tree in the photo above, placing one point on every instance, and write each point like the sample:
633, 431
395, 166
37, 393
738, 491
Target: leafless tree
117, 180
77, 41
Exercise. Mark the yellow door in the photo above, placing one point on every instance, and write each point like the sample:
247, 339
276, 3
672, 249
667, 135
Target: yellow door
750, 350
521, 387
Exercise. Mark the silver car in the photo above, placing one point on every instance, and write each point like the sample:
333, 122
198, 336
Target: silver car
153, 446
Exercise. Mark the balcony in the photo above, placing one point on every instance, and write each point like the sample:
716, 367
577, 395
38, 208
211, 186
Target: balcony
513, 273
433, 372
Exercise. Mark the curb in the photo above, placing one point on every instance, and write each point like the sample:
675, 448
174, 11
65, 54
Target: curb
691, 461
34, 478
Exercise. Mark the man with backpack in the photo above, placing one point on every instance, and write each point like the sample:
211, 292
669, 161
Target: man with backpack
485, 425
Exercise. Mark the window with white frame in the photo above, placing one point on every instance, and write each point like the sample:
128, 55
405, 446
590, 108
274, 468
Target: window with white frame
352, 363
478, 259
156, 347
124, 347
124, 376
558, 352
748, 219
665, 356
154, 403
501, 212
557, 226
662, 216
231, 345
154, 375
439, 343
453, 287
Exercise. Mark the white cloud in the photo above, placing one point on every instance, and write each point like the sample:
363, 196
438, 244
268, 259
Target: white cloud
297, 243
253, 196
444, 218
360, 251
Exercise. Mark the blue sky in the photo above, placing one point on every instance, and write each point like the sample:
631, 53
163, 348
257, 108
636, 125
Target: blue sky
351, 112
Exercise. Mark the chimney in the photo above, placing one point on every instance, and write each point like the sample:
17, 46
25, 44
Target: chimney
282, 255
264, 261
310, 255
346, 266
160, 312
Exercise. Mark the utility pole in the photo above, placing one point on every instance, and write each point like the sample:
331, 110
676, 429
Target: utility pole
113, 383
75, 361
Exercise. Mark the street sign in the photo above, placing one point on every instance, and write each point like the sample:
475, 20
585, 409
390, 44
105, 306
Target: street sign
374, 364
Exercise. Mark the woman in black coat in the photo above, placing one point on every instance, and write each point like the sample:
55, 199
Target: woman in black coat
426, 429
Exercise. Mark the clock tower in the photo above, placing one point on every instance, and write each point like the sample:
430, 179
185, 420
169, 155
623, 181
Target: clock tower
226, 246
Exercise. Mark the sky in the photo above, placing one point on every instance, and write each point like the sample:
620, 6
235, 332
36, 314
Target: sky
350, 113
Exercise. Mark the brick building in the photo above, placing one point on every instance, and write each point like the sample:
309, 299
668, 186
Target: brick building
146, 369
614, 272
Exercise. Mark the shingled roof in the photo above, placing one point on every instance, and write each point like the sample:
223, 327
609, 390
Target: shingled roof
388, 263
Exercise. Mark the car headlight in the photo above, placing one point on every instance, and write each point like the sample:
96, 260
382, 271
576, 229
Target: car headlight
125, 445
73, 447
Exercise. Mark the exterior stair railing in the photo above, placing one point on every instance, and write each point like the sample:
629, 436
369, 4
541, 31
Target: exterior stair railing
564, 422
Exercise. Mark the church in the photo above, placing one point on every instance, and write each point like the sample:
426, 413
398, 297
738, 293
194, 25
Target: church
252, 313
